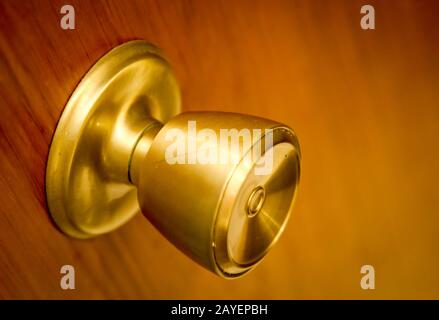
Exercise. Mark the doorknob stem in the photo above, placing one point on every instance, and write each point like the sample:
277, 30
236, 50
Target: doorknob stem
141, 149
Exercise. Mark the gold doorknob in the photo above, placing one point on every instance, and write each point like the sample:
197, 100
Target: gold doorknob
219, 186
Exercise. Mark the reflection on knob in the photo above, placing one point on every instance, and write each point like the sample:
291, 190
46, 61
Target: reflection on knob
219, 186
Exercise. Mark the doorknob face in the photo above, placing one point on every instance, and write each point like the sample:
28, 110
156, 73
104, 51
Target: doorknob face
219, 186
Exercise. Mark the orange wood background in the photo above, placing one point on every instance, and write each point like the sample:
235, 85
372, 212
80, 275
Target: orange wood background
365, 105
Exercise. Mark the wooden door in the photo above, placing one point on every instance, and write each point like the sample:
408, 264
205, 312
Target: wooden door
364, 104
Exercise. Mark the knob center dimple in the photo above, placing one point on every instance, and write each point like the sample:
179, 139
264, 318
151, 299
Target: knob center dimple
255, 201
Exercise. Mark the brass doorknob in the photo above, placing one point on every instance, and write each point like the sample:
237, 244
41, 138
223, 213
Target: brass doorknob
219, 186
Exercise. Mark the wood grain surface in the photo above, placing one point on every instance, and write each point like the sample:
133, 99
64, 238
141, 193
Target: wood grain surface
365, 105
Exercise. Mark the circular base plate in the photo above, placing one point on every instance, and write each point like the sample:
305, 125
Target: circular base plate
87, 186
